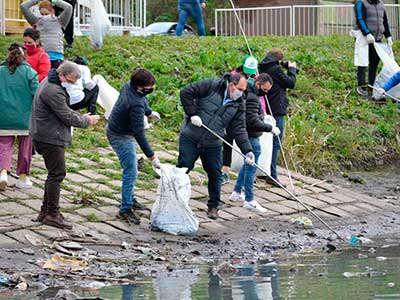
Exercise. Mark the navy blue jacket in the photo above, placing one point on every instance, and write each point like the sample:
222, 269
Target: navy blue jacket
127, 117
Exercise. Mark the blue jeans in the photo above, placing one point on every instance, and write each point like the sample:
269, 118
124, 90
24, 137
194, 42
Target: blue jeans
190, 9
211, 159
125, 148
280, 123
247, 173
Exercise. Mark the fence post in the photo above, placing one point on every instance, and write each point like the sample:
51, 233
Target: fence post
216, 22
293, 21
2, 17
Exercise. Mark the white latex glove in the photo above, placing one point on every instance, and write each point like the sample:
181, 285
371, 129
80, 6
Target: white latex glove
370, 38
203, 5
390, 41
155, 116
196, 121
156, 163
250, 158
275, 131
381, 92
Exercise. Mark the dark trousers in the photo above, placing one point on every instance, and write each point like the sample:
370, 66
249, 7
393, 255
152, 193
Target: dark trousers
211, 159
54, 159
69, 29
89, 101
56, 63
276, 146
373, 59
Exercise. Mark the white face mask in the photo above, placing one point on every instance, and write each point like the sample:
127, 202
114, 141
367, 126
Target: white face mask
236, 94
66, 85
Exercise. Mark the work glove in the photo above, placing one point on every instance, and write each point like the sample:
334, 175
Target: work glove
155, 116
370, 38
54, 2
275, 131
155, 162
390, 41
380, 92
250, 159
196, 121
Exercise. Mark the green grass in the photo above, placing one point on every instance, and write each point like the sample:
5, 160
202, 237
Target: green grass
328, 127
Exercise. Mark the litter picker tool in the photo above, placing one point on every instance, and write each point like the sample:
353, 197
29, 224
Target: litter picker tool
277, 182
385, 94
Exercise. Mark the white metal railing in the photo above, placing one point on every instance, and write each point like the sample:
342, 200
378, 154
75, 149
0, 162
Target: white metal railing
296, 20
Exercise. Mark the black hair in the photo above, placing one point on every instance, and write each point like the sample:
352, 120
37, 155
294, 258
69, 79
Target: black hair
32, 33
80, 60
142, 77
235, 78
263, 78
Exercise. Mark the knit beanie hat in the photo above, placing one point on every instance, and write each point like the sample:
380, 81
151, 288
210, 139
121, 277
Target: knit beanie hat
46, 4
250, 65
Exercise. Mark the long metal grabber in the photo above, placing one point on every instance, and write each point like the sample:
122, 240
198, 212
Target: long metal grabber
386, 94
277, 182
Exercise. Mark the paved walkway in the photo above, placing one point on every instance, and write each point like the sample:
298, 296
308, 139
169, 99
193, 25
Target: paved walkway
91, 193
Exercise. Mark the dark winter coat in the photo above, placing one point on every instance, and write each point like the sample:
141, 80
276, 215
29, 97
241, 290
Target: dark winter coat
205, 99
277, 97
52, 118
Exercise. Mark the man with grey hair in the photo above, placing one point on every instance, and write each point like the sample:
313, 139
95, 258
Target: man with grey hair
50, 129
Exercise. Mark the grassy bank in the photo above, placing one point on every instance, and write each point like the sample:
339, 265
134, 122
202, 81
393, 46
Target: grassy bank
328, 127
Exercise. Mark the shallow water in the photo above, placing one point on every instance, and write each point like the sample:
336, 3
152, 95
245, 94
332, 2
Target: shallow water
303, 277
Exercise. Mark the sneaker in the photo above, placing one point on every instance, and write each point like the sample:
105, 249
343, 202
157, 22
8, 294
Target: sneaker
138, 206
212, 213
274, 183
24, 184
129, 216
362, 92
236, 197
3, 182
254, 206
225, 178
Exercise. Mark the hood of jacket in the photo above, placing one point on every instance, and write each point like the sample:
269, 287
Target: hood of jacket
53, 77
269, 61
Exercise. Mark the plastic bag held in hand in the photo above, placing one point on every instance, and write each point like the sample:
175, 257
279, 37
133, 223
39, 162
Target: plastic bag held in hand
196, 121
155, 116
370, 38
275, 131
100, 24
250, 158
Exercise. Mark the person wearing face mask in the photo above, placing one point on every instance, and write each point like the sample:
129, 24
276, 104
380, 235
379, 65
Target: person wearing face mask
218, 104
50, 26
18, 83
50, 129
255, 127
35, 55
276, 100
125, 125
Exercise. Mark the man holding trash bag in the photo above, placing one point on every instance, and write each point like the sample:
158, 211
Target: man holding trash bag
218, 104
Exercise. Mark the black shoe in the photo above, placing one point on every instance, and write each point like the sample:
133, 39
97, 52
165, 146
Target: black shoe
68, 46
138, 206
273, 183
361, 91
212, 213
129, 216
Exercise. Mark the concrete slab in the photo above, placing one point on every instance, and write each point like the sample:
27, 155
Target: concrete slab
93, 175
16, 208
77, 178
20, 236
89, 211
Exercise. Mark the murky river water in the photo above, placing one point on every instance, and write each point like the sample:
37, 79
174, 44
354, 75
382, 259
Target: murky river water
356, 273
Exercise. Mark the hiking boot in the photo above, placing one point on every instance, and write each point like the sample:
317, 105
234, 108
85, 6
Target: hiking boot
236, 197
225, 178
138, 206
361, 91
273, 183
254, 206
42, 214
3, 182
56, 220
212, 213
129, 216
24, 184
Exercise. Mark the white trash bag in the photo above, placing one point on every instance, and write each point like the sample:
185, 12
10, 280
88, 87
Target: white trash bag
264, 161
390, 67
171, 212
100, 24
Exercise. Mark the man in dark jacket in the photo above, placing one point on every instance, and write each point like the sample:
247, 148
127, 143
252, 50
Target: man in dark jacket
125, 125
218, 104
50, 129
255, 126
372, 21
277, 101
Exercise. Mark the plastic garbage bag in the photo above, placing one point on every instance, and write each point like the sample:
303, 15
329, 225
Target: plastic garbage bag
171, 212
100, 24
390, 67
264, 161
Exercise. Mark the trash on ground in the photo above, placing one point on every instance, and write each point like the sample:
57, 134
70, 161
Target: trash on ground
381, 258
57, 262
390, 284
22, 286
362, 256
4, 279
71, 245
92, 286
363, 274
225, 270
302, 222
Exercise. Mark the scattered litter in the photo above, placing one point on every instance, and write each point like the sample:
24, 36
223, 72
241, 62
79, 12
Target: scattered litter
390, 197
92, 286
71, 245
372, 250
302, 222
57, 262
354, 241
363, 274
362, 256
22, 286
330, 248
4, 280
381, 258
390, 284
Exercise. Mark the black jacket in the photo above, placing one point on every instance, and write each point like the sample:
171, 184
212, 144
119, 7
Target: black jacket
127, 117
277, 94
254, 122
51, 118
205, 99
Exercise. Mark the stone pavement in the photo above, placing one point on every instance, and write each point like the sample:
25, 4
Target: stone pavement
91, 195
